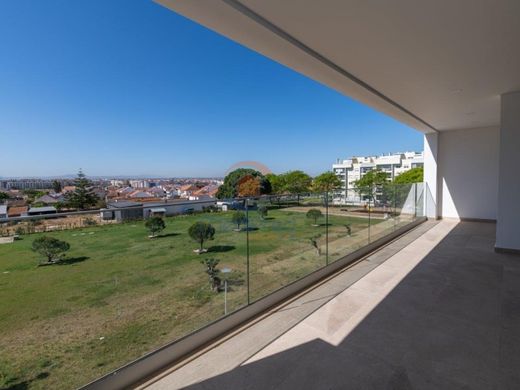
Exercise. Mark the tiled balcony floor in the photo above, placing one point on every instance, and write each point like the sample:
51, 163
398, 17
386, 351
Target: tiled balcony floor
436, 309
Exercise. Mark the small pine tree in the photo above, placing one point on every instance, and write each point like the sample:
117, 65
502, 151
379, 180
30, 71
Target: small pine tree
239, 218
82, 197
51, 248
201, 232
155, 225
314, 214
212, 271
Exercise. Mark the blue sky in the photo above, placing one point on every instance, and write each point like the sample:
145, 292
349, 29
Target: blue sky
127, 87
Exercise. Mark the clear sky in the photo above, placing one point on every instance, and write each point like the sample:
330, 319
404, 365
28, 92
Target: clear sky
127, 87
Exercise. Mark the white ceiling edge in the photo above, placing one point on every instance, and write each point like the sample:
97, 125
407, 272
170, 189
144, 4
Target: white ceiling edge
226, 20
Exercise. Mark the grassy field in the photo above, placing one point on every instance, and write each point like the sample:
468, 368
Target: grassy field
121, 294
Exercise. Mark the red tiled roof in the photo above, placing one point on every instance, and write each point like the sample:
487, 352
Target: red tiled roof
16, 211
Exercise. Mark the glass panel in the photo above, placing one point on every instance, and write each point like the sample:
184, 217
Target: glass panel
348, 224
381, 211
288, 243
118, 293
420, 202
405, 204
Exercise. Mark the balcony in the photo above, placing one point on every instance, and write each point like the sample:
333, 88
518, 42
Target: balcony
123, 299
436, 308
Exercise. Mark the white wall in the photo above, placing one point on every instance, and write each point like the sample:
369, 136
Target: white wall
431, 142
467, 166
508, 224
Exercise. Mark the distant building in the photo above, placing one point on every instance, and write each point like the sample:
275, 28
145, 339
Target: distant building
209, 190
47, 210
139, 183
68, 189
127, 210
25, 184
17, 211
187, 189
49, 199
117, 183
140, 195
122, 211
3, 211
158, 192
354, 168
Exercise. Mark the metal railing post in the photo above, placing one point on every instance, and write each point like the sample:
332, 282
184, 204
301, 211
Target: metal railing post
415, 201
247, 253
369, 201
327, 228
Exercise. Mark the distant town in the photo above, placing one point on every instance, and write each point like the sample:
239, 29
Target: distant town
29, 197
25, 197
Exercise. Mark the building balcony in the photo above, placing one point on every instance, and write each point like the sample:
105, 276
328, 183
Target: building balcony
119, 299
436, 308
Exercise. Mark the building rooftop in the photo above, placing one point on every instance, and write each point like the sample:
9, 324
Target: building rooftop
16, 210
45, 209
123, 204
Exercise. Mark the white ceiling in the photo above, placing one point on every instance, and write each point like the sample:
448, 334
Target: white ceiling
433, 64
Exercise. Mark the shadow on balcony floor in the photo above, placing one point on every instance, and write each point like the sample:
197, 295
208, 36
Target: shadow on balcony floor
453, 322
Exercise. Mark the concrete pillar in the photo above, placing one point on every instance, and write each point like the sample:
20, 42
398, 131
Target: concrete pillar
508, 222
431, 195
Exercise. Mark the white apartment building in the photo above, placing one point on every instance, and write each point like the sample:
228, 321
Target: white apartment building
25, 184
140, 183
354, 168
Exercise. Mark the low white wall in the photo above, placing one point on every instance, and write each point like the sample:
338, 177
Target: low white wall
468, 173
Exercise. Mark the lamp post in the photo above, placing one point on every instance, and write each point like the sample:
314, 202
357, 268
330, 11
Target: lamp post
225, 271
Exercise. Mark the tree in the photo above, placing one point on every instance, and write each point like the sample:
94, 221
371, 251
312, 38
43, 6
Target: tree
314, 243
31, 195
349, 229
212, 271
82, 197
239, 218
296, 182
229, 189
3, 196
262, 211
249, 186
155, 225
51, 248
277, 183
56, 186
201, 232
372, 182
326, 182
314, 214
414, 175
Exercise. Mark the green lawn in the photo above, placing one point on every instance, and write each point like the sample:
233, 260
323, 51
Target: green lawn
121, 294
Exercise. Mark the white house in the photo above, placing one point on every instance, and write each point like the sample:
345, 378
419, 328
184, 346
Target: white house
3, 211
